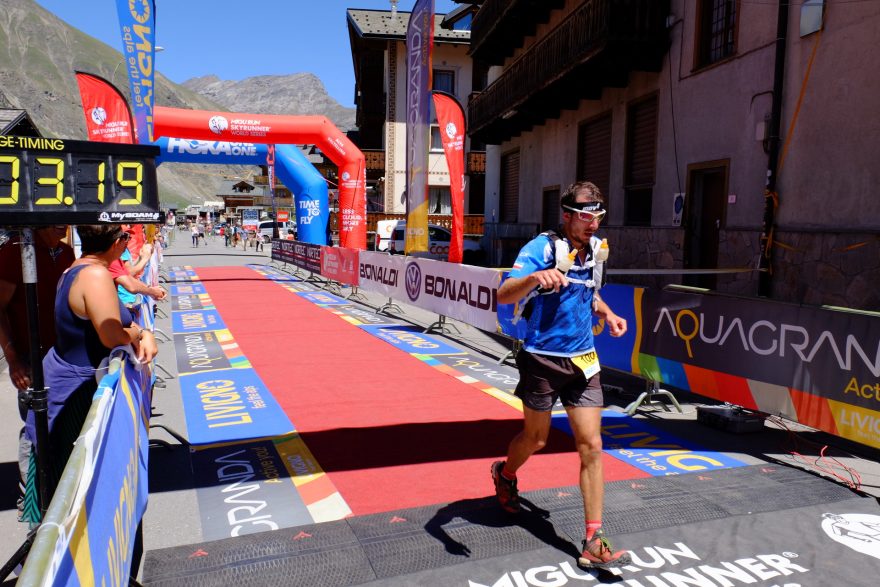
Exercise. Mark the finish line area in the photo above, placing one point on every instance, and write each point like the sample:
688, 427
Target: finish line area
333, 445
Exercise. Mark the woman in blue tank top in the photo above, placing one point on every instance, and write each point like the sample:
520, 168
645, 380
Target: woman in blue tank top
90, 321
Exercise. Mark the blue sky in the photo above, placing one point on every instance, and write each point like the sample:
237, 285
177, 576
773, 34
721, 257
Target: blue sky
235, 39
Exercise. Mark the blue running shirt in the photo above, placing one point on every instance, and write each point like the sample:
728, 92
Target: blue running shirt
560, 324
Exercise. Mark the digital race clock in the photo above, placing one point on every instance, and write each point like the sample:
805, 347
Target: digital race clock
54, 181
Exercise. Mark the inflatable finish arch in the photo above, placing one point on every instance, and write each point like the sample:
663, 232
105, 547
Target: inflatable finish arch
283, 130
293, 169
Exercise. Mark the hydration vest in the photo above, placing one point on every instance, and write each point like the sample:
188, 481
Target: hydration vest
560, 248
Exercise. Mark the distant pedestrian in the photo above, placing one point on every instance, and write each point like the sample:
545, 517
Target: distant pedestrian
194, 231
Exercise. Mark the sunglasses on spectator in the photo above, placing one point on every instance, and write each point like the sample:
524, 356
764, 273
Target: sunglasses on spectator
585, 215
125, 236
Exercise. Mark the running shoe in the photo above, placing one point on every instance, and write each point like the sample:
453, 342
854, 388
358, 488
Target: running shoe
505, 490
598, 553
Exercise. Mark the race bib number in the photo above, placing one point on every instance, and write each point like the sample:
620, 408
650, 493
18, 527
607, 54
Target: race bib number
588, 363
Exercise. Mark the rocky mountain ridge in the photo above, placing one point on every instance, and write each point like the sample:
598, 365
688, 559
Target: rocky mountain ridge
38, 76
298, 94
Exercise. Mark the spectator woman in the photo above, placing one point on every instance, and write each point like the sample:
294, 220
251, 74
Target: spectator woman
90, 321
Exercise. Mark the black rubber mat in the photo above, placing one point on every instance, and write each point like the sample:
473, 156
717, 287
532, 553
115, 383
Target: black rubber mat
368, 548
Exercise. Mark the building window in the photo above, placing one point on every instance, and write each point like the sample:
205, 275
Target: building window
509, 196
436, 141
594, 153
439, 200
641, 155
444, 80
716, 31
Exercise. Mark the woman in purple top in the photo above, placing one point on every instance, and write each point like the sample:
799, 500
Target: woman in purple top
90, 321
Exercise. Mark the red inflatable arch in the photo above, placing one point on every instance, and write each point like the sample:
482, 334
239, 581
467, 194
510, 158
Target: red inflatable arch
290, 130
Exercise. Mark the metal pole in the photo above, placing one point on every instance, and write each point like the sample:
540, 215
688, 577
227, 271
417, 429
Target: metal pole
39, 403
771, 200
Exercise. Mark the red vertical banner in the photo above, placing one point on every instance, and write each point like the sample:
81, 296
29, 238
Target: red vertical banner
108, 119
270, 170
450, 118
419, 45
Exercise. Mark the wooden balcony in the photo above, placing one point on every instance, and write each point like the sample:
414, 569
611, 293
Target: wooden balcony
501, 26
375, 159
595, 47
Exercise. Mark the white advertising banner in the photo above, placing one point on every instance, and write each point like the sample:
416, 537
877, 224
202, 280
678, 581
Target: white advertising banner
466, 293
381, 273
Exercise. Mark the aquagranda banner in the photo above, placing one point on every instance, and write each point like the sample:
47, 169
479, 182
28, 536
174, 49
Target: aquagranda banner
108, 119
816, 366
419, 44
137, 23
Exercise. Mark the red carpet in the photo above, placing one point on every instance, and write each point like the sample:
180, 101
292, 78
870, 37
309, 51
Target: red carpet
391, 431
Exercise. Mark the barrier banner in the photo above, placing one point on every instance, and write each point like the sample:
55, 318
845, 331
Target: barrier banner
92, 520
620, 352
463, 292
307, 256
137, 23
108, 119
282, 250
340, 264
380, 272
782, 357
419, 45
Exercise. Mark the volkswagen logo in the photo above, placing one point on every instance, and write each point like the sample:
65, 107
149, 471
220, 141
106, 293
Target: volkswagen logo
413, 281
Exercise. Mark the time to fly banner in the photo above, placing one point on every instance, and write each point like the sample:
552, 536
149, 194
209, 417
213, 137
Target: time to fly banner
817, 366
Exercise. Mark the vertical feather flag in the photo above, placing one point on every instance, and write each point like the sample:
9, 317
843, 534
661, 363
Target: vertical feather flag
137, 24
108, 119
419, 45
450, 118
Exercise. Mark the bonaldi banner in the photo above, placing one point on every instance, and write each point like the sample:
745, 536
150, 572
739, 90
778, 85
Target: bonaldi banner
419, 44
108, 119
137, 23
450, 118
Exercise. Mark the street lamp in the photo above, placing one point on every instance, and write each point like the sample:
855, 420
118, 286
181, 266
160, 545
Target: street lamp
156, 49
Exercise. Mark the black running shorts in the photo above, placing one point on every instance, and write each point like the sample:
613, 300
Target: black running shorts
544, 378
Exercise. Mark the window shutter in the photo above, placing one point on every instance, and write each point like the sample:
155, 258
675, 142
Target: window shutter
550, 210
641, 155
510, 187
594, 152
642, 142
